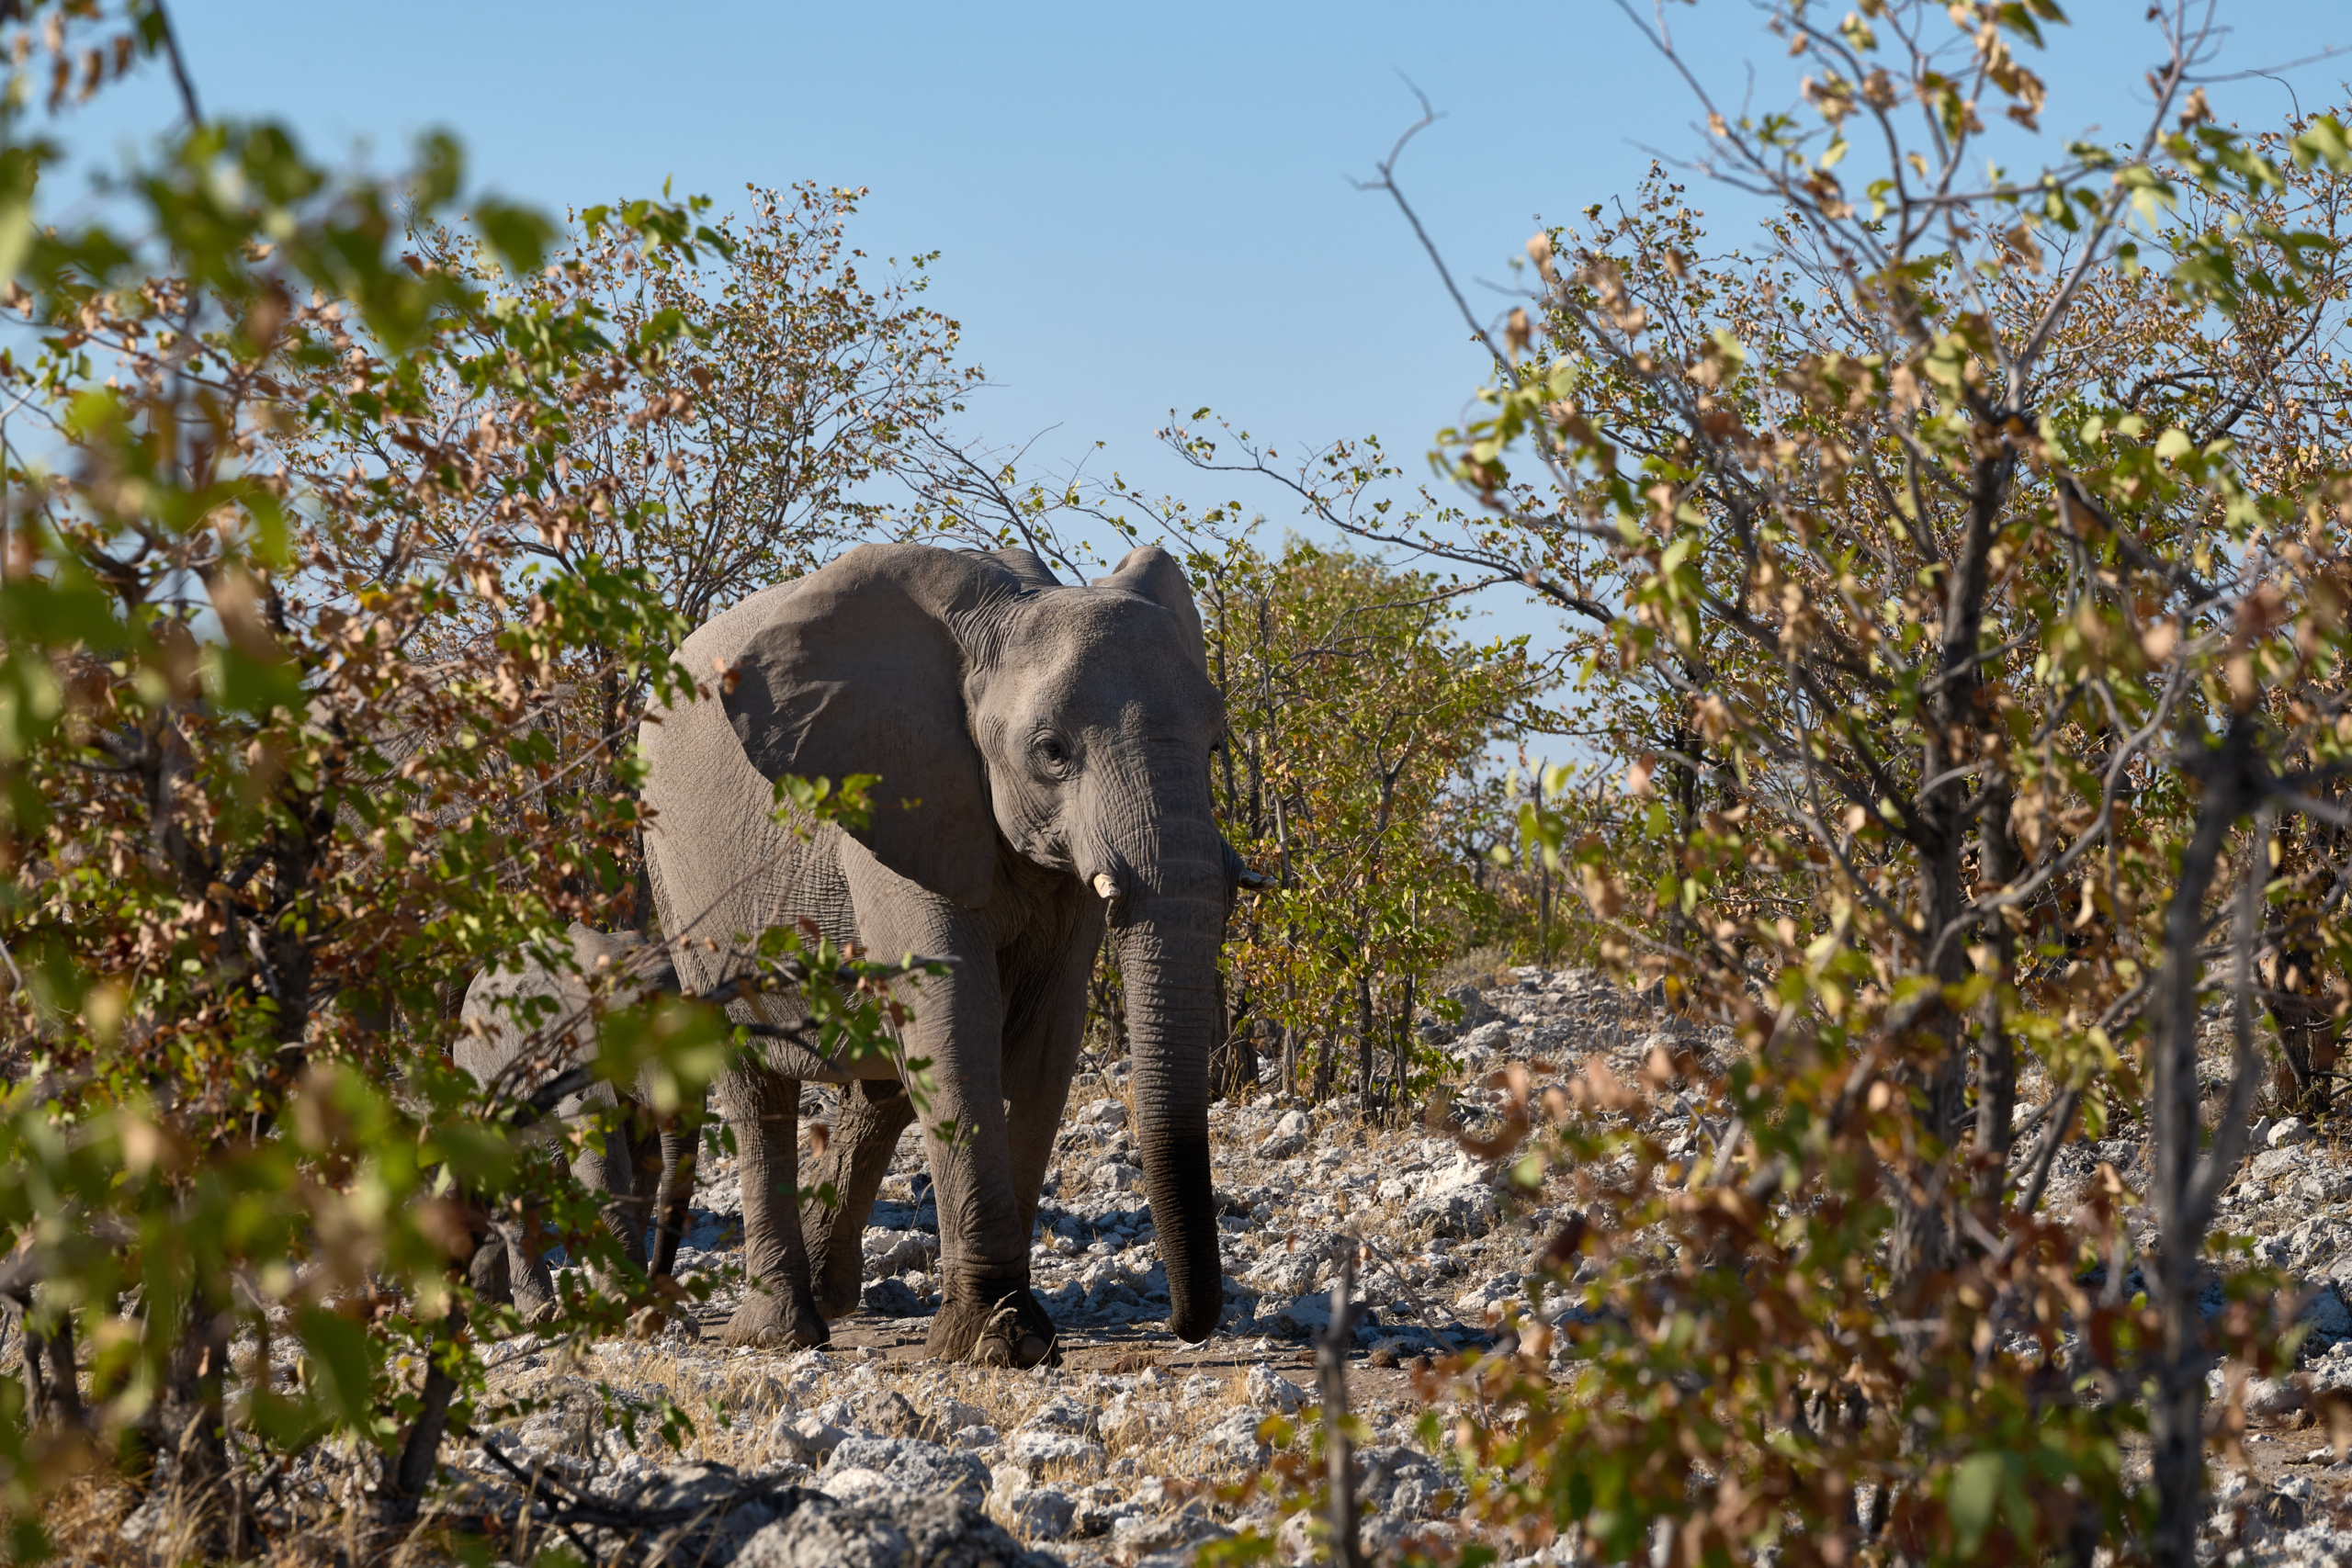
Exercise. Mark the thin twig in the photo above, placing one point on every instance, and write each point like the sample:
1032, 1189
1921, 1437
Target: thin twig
179, 65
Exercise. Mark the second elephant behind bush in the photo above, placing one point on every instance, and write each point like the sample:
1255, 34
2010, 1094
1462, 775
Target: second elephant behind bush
644, 1171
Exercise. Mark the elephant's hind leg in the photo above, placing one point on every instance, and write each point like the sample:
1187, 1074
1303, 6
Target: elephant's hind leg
673, 1196
614, 1164
874, 1111
778, 1311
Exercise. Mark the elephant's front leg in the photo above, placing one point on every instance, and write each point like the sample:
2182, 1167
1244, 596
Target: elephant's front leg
873, 1113
1044, 1033
987, 1312
778, 1310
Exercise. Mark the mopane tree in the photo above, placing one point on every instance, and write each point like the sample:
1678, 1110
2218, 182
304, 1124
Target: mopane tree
1359, 715
791, 389
277, 766
1979, 539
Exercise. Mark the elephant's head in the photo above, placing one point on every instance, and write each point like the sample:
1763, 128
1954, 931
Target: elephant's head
1073, 723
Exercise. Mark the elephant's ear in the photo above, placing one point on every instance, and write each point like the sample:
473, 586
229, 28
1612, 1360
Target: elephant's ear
861, 671
1151, 572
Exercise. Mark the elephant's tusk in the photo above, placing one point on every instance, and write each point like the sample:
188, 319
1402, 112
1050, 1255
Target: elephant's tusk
1104, 886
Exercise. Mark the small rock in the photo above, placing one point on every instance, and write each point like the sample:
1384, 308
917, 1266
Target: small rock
1032, 1447
1063, 1413
1269, 1389
890, 1413
894, 1298
2267, 1399
906, 1464
2293, 1130
1137, 1535
1289, 1136
810, 1439
2327, 1316
887, 1532
1042, 1513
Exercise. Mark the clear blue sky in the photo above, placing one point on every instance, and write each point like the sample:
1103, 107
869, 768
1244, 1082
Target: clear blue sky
1140, 208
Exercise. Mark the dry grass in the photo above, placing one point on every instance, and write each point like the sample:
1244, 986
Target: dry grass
85, 1518
1484, 967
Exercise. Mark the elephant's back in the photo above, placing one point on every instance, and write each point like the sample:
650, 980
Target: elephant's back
491, 1036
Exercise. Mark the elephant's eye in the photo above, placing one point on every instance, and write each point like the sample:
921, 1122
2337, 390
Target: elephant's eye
1052, 752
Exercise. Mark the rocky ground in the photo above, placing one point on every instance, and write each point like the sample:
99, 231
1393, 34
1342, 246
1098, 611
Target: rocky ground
1112, 1456
1109, 1456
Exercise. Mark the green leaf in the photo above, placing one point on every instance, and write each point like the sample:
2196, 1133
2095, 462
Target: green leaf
257, 686
60, 612
344, 1361
19, 172
2323, 142
518, 236
1975, 1493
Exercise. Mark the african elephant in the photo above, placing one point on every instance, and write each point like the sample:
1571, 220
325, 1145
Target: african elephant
1043, 752
647, 1168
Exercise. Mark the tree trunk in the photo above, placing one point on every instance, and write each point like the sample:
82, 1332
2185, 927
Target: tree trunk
2186, 1185
51, 1369
412, 1471
1404, 1045
1922, 1243
187, 1435
1323, 1053
1997, 1070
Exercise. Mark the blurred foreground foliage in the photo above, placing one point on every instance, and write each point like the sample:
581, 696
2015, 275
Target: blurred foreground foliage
293, 672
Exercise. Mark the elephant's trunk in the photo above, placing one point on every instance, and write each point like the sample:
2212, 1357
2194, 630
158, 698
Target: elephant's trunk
1168, 950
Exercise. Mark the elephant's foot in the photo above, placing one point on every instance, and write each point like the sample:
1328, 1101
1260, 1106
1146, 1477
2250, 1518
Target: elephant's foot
530, 1286
488, 1273
536, 1315
774, 1322
991, 1323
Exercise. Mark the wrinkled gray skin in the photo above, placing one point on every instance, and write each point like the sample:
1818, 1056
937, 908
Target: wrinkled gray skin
1044, 754
642, 1171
